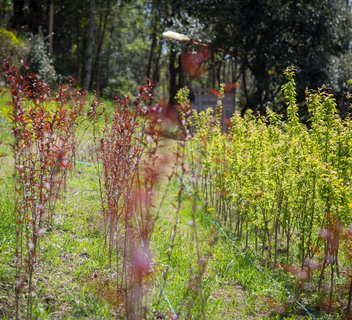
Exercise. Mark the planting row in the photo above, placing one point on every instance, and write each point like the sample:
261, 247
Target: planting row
283, 190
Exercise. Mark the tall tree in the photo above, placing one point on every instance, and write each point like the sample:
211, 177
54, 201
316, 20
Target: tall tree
90, 46
51, 26
18, 14
35, 17
104, 14
156, 29
269, 35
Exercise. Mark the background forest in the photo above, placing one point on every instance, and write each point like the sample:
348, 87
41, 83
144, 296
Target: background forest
112, 46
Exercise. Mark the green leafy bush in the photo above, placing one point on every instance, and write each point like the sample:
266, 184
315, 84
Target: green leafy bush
12, 48
39, 60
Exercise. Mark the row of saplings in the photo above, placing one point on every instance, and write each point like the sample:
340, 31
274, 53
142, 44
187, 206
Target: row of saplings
283, 189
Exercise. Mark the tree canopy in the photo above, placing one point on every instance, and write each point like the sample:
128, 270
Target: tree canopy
268, 35
113, 45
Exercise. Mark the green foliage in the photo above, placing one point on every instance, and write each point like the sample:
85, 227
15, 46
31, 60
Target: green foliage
123, 59
9, 36
38, 58
12, 48
289, 90
283, 189
266, 36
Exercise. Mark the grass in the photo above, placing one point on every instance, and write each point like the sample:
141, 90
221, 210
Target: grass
234, 288
7, 223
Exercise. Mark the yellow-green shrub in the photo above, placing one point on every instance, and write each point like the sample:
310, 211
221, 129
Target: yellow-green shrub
12, 48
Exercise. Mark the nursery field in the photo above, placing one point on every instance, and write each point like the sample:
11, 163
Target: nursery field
104, 216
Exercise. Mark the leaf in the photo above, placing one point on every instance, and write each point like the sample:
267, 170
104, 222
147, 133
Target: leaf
214, 91
229, 87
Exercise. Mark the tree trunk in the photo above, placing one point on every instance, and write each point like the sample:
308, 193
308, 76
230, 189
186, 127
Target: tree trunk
259, 72
79, 52
173, 75
154, 40
245, 90
156, 73
18, 14
104, 81
89, 46
34, 16
101, 34
51, 27
181, 73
